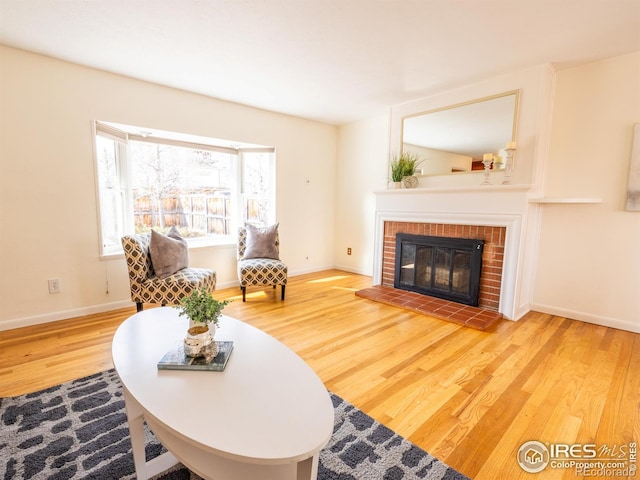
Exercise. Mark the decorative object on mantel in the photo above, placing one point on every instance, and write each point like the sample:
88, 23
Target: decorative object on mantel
511, 148
403, 169
487, 160
410, 181
397, 172
204, 313
633, 188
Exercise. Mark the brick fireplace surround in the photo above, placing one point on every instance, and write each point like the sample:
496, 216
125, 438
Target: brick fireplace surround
492, 254
481, 317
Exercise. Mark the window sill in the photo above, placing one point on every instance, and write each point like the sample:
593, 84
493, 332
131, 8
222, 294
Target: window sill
192, 244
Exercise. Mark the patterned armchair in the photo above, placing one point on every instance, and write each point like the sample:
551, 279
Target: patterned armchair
146, 287
259, 271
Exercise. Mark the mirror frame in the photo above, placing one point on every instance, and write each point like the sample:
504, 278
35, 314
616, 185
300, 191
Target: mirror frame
514, 128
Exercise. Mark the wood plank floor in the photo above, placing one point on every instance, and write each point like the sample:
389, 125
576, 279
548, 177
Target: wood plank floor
470, 398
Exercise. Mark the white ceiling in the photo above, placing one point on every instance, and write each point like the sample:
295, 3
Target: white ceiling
329, 60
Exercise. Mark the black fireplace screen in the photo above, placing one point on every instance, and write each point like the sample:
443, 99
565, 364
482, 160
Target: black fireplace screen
442, 267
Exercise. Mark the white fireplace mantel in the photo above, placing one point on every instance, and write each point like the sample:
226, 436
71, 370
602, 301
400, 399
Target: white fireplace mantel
461, 198
504, 206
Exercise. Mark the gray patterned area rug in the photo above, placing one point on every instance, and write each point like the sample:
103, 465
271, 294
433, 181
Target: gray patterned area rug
78, 430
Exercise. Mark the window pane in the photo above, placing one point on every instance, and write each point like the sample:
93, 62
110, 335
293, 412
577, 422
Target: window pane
110, 193
257, 192
180, 186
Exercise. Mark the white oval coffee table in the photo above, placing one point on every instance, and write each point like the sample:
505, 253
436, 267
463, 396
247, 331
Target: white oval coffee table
267, 416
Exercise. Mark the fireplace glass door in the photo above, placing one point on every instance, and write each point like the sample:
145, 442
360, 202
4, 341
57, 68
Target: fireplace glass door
443, 267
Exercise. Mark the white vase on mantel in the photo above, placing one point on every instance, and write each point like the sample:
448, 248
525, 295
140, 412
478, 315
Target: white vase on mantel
410, 181
396, 184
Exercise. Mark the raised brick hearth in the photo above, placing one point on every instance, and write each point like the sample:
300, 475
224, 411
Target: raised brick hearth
474, 317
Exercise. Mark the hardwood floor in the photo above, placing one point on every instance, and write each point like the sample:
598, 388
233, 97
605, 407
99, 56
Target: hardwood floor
468, 397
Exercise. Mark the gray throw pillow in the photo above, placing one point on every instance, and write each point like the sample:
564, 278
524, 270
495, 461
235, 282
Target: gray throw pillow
169, 253
261, 242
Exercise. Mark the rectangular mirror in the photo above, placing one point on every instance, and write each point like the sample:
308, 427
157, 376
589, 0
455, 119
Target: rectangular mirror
454, 139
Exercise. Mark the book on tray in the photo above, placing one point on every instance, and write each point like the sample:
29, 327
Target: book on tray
176, 359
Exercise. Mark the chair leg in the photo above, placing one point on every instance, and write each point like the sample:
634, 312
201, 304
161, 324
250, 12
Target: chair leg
244, 293
283, 291
139, 306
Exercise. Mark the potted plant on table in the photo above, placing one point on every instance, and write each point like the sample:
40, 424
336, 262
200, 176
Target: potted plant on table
204, 312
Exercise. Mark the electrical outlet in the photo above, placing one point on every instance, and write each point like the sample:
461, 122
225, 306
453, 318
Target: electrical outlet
54, 285
349, 251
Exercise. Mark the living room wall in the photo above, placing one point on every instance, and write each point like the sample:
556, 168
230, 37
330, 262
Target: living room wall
47, 194
589, 254
362, 157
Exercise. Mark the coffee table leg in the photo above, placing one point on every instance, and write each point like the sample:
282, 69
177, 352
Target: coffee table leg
136, 432
308, 469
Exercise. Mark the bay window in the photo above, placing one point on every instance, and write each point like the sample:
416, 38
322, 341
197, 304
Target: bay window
150, 179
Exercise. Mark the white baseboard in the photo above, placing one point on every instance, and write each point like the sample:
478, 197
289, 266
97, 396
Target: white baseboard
303, 271
629, 326
229, 284
359, 271
520, 311
63, 315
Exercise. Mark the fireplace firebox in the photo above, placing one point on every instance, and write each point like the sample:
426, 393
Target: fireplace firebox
442, 267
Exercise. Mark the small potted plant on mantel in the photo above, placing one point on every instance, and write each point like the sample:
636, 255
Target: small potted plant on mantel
204, 313
403, 169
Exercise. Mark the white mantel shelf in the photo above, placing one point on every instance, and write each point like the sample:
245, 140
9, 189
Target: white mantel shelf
565, 200
455, 189
493, 189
